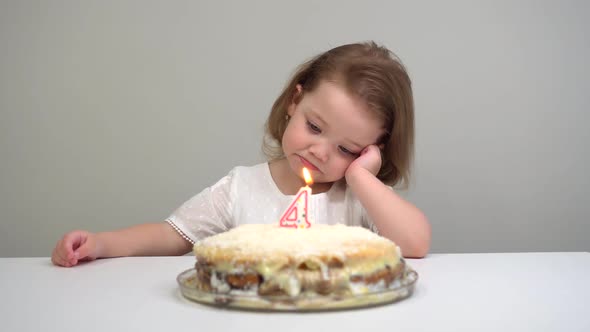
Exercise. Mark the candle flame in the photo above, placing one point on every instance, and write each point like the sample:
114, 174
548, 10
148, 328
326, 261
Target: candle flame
307, 176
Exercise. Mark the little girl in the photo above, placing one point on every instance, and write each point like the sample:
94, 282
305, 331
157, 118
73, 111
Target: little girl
348, 116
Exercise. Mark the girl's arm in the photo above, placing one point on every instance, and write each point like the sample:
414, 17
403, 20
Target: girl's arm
158, 239
395, 218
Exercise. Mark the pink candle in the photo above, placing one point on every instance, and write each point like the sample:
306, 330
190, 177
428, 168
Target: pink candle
296, 215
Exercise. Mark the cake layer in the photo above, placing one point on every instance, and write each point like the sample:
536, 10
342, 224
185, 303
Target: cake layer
270, 260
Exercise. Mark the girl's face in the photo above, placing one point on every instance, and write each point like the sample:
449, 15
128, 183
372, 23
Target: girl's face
328, 129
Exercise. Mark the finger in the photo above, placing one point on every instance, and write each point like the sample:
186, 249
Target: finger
369, 148
62, 261
58, 260
74, 260
56, 255
84, 252
63, 253
373, 147
73, 241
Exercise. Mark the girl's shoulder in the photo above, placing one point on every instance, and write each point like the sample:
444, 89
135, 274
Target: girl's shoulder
251, 173
253, 177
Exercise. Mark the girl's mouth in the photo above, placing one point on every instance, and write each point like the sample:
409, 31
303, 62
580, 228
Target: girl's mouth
307, 164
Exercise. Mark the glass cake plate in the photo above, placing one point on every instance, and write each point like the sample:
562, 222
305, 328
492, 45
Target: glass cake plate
304, 302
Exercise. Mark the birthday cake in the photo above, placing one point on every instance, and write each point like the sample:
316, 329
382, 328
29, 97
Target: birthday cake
272, 261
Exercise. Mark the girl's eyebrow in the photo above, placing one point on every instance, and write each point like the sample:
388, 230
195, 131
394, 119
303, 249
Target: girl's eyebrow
316, 116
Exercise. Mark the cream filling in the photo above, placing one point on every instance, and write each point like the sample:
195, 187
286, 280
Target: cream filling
219, 284
288, 281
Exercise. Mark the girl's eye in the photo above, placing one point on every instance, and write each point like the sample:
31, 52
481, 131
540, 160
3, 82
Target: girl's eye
347, 152
313, 127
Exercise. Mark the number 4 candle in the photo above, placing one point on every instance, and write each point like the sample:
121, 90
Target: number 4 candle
297, 214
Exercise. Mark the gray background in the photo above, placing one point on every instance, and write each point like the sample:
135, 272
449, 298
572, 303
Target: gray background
113, 113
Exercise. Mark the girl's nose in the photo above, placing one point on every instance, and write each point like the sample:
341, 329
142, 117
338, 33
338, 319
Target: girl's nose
320, 151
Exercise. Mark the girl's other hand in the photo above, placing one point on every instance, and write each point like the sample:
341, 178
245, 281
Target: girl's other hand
75, 247
370, 159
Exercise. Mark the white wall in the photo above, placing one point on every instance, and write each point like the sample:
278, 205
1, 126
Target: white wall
113, 113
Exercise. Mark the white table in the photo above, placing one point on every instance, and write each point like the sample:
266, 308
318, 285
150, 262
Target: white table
455, 292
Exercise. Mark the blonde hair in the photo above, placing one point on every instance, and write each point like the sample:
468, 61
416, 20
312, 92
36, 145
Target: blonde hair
377, 77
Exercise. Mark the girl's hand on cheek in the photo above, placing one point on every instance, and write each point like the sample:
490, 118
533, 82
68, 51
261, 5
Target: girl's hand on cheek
370, 159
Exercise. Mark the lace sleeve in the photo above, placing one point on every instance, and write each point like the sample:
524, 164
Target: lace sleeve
205, 214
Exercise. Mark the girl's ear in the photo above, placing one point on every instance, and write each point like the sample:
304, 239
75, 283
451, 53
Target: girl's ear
297, 95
